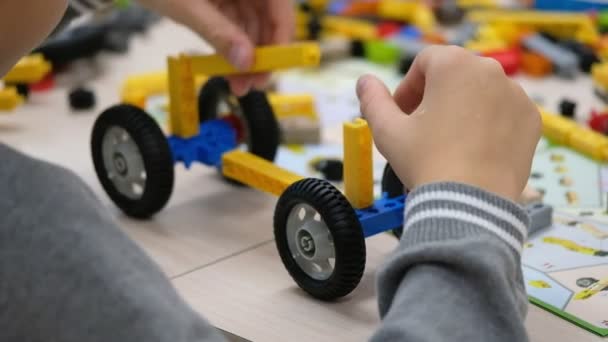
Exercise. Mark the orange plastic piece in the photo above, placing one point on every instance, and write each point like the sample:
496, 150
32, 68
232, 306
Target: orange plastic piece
434, 38
535, 64
361, 7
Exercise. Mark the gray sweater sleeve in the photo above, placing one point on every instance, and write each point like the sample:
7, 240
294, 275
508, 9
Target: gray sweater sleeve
456, 274
69, 274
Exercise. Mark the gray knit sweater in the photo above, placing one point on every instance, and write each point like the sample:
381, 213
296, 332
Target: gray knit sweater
69, 274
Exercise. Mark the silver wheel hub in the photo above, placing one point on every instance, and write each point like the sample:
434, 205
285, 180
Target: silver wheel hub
310, 242
120, 164
123, 163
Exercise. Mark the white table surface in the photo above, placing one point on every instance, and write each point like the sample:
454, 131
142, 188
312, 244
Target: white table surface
214, 240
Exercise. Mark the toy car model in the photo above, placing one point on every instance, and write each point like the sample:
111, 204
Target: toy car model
319, 231
134, 159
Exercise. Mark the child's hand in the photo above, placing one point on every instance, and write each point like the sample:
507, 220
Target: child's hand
468, 123
234, 28
23, 25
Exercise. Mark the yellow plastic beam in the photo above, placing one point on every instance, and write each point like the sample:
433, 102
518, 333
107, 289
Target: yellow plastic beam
184, 119
10, 99
349, 27
137, 89
358, 177
579, 138
561, 24
599, 74
257, 172
293, 105
397, 9
267, 58
476, 3
29, 69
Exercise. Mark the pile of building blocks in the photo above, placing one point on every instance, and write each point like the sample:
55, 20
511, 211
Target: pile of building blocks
565, 38
392, 32
29, 70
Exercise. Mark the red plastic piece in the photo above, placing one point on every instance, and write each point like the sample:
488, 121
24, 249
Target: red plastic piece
237, 124
388, 28
509, 59
598, 122
45, 84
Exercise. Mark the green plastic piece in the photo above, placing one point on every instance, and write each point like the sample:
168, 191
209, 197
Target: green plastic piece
122, 3
602, 21
382, 52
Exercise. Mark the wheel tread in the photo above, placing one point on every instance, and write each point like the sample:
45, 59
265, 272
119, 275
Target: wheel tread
155, 151
346, 230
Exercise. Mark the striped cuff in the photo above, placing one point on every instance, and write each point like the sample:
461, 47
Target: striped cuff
87, 6
446, 210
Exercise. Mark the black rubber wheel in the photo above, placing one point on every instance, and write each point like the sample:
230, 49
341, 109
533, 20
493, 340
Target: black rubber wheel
392, 186
261, 126
130, 152
335, 228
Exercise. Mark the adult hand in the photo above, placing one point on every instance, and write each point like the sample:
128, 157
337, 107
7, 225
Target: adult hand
234, 28
468, 123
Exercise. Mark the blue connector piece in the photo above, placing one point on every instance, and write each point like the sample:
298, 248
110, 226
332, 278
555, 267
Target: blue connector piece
215, 138
386, 214
570, 5
336, 7
411, 32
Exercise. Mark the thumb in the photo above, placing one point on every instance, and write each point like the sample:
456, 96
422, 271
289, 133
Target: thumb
382, 113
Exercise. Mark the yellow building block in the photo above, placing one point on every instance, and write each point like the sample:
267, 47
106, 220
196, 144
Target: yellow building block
349, 27
589, 142
302, 18
476, 3
599, 74
556, 128
561, 24
267, 58
285, 106
358, 177
402, 10
29, 69
136, 89
318, 5
485, 46
301, 33
508, 33
415, 12
424, 18
10, 99
257, 172
567, 132
184, 118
